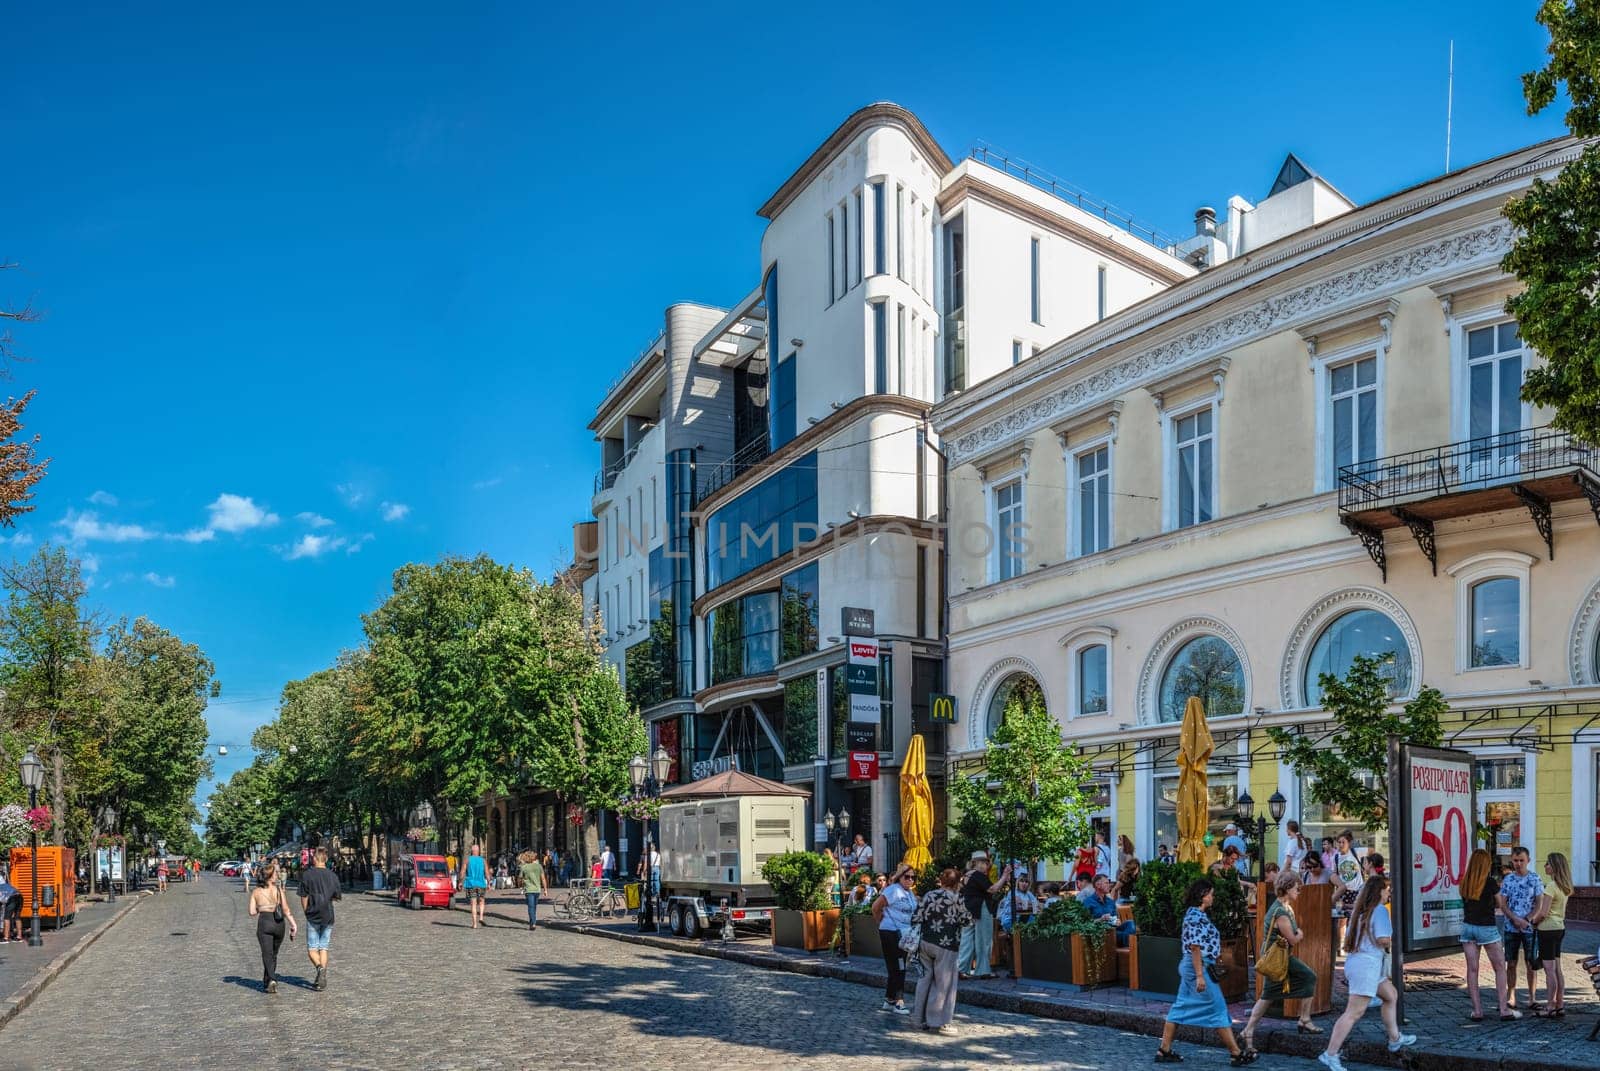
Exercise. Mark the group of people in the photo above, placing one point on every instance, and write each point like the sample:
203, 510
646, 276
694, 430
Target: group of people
273, 911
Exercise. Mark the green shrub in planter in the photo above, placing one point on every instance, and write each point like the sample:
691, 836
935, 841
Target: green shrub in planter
1230, 906
800, 880
1057, 924
1158, 897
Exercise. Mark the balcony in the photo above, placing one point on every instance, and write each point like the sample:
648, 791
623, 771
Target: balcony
608, 473
1529, 468
747, 457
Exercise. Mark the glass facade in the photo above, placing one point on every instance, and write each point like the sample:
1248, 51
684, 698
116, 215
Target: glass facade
743, 637
1222, 790
801, 602
764, 523
800, 719
1496, 622
1206, 667
1359, 632
677, 565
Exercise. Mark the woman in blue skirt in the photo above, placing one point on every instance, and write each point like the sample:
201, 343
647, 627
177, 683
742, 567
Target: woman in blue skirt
1200, 1000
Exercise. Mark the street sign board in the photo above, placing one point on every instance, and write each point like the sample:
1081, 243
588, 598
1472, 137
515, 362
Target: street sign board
859, 736
866, 708
857, 621
1436, 833
863, 766
942, 707
864, 705
861, 680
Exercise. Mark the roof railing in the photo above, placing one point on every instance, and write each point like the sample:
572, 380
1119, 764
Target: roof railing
642, 356
1079, 198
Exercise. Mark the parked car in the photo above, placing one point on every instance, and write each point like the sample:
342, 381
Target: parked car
225, 864
423, 881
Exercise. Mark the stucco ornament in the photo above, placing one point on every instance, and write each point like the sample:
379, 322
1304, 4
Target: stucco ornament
1175, 637
1292, 673
978, 711
1584, 647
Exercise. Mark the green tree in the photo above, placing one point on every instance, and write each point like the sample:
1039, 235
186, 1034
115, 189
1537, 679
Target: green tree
1556, 254
1353, 775
1032, 769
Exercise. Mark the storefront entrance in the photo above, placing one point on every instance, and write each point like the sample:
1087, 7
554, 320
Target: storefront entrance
1503, 810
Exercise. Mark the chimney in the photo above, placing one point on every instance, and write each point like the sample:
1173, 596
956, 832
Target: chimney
1205, 222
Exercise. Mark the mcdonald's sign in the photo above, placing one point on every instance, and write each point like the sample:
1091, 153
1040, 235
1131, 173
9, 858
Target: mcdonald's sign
942, 707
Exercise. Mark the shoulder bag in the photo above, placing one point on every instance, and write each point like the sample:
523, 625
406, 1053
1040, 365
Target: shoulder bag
1273, 964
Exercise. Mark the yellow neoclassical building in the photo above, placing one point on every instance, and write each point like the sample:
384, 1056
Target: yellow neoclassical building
1312, 449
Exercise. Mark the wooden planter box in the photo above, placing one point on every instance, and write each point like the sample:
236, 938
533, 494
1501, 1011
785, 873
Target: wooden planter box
861, 935
1155, 967
1051, 961
811, 931
1236, 957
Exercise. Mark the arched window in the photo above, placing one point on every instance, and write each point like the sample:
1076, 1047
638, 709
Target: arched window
1496, 622
1015, 690
1206, 667
1358, 632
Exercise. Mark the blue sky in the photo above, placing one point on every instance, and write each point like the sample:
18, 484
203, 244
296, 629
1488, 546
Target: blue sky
331, 291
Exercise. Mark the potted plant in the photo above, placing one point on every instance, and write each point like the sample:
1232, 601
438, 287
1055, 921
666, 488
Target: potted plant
860, 931
805, 917
1063, 944
1158, 914
1230, 913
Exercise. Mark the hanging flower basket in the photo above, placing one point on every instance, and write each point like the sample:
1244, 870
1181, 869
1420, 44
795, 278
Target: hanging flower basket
39, 819
639, 810
14, 827
110, 840
574, 815
421, 834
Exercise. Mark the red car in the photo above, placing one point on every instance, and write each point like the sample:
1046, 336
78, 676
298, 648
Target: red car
423, 881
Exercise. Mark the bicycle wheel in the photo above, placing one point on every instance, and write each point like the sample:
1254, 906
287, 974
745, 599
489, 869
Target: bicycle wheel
580, 905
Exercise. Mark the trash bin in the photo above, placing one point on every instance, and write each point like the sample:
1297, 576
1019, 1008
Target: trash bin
630, 893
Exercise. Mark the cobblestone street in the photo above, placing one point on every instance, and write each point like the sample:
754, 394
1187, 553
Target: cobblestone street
177, 984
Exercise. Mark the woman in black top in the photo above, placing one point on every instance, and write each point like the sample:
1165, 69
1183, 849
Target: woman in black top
1478, 890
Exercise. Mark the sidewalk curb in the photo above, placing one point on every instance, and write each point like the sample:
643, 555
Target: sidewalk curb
10, 1009
1282, 1043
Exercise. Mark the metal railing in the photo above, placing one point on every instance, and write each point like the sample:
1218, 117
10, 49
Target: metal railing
1041, 179
639, 359
608, 473
747, 457
1474, 464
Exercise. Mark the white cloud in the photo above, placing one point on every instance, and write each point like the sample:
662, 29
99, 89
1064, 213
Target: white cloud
395, 511
356, 544
103, 498
89, 563
314, 546
236, 513
312, 520
160, 581
352, 495
195, 535
86, 527
20, 539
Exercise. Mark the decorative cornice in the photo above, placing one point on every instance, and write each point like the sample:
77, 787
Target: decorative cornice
1322, 612
1156, 662
880, 114
1303, 303
1584, 646
978, 712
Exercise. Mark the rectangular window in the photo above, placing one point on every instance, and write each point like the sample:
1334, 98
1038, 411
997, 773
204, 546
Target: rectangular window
861, 239
801, 601
900, 350
1016, 351
885, 701
1092, 679
764, 523
955, 298
1033, 280
880, 347
1352, 414
1495, 365
844, 247
783, 401
1008, 530
880, 230
1092, 533
1100, 293
1195, 442
833, 263
900, 232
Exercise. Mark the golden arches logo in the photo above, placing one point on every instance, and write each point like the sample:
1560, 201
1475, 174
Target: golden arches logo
942, 708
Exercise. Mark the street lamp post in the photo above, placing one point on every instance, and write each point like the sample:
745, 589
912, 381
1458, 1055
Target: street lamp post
649, 778
32, 778
1255, 824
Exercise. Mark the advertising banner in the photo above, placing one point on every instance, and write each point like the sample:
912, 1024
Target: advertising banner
864, 705
863, 766
1436, 804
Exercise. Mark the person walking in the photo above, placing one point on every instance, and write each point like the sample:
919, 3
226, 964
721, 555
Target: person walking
608, 864
1104, 861
943, 917
892, 911
1479, 894
7, 892
1368, 935
1550, 921
475, 883
532, 885
1299, 981
977, 938
161, 875
1295, 845
1200, 1001
319, 888
1347, 868
1520, 892
267, 908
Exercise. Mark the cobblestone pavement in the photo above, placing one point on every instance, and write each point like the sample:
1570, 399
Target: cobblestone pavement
177, 984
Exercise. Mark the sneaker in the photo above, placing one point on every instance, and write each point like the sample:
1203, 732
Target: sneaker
321, 981
1330, 1060
272, 987
1402, 1042
946, 1031
886, 1006
900, 1009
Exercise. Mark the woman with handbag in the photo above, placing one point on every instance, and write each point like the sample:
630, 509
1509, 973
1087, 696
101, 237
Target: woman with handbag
266, 905
938, 922
1200, 1001
892, 910
1286, 977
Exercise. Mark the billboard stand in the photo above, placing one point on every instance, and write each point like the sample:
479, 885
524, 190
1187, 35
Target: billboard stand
1432, 801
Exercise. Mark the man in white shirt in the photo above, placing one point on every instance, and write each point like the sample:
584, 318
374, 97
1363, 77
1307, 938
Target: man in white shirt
1231, 839
1104, 862
860, 853
608, 864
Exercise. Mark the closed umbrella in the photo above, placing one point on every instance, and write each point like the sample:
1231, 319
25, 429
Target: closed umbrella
1194, 804
916, 805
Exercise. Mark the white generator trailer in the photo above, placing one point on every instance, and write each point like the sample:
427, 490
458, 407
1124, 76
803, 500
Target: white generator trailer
711, 856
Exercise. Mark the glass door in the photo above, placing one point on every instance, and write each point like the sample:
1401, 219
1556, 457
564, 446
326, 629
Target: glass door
1494, 400
1502, 786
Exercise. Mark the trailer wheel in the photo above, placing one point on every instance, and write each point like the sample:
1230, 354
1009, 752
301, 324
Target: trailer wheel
691, 923
676, 915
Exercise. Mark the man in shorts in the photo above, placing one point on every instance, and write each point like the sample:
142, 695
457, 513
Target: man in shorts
319, 888
1520, 892
475, 883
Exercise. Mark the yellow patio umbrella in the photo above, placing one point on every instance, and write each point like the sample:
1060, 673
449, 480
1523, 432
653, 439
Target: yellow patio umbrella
916, 805
1194, 804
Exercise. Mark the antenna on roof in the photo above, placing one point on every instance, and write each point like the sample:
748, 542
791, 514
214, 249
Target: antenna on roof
1449, 104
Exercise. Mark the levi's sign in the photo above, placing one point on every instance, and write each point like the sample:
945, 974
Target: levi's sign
861, 680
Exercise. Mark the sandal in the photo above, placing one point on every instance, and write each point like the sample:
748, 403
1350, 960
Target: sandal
1476, 1017
1167, 1056
1309, 1028
1511, 1016
1243, 1057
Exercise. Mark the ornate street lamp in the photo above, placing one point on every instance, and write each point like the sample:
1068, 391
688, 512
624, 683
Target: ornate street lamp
32, 778
1257, 825
649, 778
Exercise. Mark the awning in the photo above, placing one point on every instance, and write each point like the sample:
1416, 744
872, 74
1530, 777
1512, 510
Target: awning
737, 335
732, 783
